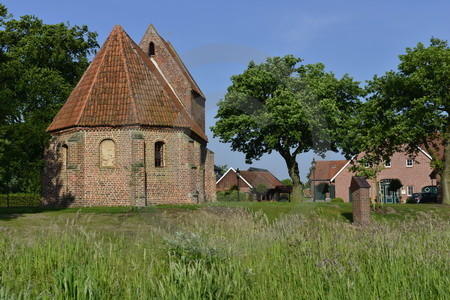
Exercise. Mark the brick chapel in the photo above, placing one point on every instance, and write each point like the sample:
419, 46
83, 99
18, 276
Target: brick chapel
132, 132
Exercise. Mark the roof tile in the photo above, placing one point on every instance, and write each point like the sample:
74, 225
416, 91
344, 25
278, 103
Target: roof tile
326, 169
123, 86
256, 178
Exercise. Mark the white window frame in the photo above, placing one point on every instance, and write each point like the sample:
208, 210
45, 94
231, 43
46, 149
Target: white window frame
387, 164
410, 190
410, 160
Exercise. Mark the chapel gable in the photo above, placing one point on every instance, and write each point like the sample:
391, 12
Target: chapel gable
174, 70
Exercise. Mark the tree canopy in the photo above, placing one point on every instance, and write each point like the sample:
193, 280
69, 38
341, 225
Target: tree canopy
409, 109
287, 107
39, 66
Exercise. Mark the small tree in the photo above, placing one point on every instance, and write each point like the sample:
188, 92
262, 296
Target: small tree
368, 170
395, 185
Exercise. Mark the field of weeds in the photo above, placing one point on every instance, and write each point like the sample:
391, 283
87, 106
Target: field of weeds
221, 252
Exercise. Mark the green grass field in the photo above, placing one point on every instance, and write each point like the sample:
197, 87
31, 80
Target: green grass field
247, 250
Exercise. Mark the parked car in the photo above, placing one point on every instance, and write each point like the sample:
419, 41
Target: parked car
424, 197
430, 189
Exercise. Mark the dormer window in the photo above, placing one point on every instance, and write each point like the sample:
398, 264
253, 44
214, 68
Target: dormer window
151, 49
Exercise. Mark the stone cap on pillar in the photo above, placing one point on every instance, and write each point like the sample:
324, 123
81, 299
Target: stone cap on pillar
358, 183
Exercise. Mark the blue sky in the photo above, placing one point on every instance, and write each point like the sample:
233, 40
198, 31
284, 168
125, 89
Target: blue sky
216, 39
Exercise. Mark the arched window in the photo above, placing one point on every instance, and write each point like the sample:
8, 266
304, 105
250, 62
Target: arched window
151, 49
159, 154
107, 153
64, 157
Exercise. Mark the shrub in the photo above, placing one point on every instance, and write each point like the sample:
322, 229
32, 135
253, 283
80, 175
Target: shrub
20, 199
395, 184
337, 200
250, 197
231, 196
376, 205
410, 200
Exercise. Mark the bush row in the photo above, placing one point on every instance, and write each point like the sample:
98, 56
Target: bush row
20, 199
233, 196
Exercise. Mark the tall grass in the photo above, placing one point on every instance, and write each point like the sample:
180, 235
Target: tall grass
222, 253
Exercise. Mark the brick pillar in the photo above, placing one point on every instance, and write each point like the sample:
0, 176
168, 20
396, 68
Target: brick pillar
210, 177
138, 171
360, 190
73, 190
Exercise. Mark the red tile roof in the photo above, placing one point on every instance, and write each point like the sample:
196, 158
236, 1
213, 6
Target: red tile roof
123, 86
326, 169
257, 178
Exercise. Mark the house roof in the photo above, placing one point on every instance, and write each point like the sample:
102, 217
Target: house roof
234, 171
327, 169
256, 178
123, 86
257, 169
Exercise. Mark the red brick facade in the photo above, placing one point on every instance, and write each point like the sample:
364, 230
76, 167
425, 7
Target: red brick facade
413, 177
79, 173
230, 179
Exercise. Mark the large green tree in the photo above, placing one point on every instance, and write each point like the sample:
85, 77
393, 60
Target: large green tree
39, 65
409, 109
286, 107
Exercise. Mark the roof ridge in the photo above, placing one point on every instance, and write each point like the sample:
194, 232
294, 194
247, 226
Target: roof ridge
127, 74
102, 60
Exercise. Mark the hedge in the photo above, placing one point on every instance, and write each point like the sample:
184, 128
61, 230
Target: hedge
337, 200
232, 196
20, 199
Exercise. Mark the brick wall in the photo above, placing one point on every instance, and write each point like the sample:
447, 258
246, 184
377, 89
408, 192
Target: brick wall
229, 180
178, 78
361, 206
134, 180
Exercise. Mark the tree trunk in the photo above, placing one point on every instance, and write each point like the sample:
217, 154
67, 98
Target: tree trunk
294, 173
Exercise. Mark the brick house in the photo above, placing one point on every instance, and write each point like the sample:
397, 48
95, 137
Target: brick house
248, 180
414, 174
132, 132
